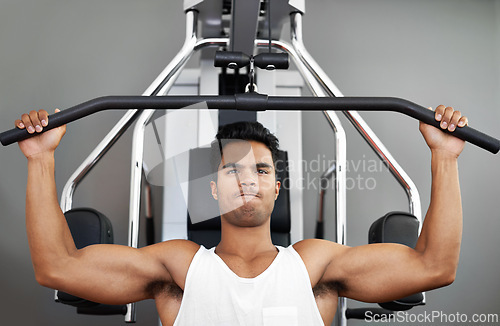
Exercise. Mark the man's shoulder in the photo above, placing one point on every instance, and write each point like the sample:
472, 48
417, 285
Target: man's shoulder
317, 255
307, 245
318, 251
180, 245
176, 256
173, 250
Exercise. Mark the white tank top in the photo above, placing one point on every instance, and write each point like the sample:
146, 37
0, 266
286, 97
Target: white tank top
215, 295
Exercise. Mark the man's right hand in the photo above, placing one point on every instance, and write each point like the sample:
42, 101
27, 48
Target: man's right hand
45, 143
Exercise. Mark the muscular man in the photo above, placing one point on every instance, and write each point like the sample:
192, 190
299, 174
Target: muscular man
245, 280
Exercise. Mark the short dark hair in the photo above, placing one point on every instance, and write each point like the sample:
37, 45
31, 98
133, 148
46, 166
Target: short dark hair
239, 131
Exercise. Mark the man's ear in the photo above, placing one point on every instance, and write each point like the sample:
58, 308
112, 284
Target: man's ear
277, 189
213, 186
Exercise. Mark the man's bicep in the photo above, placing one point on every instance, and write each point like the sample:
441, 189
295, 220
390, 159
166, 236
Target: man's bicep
111, 274
380, 272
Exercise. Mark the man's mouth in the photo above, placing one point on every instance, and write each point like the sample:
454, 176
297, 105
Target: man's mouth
247, 194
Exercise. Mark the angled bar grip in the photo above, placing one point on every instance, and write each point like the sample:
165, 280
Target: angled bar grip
411, 109
116, 103
254, 102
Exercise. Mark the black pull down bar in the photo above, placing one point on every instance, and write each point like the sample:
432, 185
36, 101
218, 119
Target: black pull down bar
253, 102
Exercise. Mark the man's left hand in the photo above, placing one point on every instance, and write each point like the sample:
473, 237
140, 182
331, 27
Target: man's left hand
439, 141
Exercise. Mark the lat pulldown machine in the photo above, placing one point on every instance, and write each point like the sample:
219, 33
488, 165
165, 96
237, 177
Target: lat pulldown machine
252, 39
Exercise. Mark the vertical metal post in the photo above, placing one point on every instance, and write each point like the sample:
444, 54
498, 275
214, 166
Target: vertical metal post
339, 134
340, 150
106, 143
159, 87
357, 121
365, 131
161, 84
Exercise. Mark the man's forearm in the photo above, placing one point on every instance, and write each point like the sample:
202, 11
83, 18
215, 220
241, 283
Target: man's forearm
442, 229
48, 233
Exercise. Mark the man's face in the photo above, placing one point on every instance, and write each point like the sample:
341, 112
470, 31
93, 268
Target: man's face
246, 185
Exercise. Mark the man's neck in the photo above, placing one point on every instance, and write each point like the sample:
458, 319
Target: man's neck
245, 242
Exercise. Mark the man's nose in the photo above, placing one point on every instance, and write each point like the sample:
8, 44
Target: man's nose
248, 178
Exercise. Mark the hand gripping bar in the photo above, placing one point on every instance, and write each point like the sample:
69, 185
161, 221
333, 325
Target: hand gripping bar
254, 102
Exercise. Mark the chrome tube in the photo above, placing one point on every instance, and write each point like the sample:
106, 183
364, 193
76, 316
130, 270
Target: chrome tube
160, 86
165, 80
106, 143
325, 178
340, 148
397, 171
128, 118
332, 118
135, 191
339, 134
209, 42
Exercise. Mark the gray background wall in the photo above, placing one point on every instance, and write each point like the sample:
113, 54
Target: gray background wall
57, 54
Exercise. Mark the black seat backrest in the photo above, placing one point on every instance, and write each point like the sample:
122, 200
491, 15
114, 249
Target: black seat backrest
203, 211
88, 226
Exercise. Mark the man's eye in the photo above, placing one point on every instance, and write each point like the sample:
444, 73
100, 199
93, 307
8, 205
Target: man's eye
263, 171
232, 171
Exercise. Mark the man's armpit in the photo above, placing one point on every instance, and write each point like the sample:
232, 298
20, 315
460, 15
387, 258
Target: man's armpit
328, 288
169, 288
